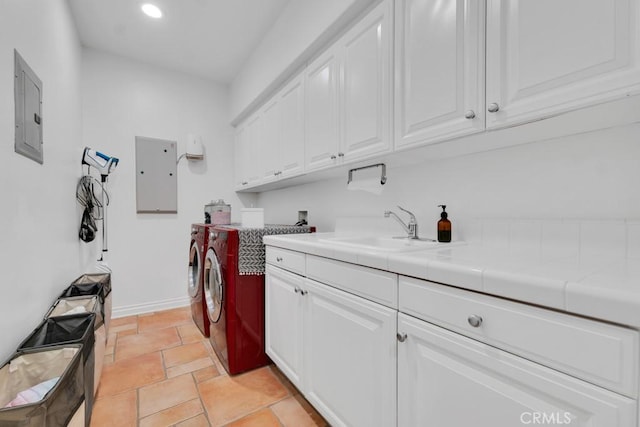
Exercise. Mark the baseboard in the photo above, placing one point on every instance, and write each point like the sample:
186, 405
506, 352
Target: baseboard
132, 310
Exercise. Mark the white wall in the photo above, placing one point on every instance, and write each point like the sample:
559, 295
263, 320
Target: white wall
586, 176
303, 26
40, 253
123, 99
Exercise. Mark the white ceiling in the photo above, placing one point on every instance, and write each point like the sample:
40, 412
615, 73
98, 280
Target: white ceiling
208, 38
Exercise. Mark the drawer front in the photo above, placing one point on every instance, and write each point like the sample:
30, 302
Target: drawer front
286, 259
375, 285
597, 352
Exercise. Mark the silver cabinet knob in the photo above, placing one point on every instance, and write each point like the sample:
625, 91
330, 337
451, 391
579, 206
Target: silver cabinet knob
493, 107
340, 154
470, 115
401, 337
474, 320
244, 182
303, 292
296, 289
333, 157
279, 259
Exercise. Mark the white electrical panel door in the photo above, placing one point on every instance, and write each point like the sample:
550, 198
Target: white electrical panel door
28, 110
156, 176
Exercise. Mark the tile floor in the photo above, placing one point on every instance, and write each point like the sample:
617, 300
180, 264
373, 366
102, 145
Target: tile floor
160, 371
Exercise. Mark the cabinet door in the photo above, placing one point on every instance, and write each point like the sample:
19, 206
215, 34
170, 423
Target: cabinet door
439, 70
283, 321
350, 357
546, 56
240, 157
321, 107
365, 89
447, 380
292, 110
271, 140
252, 150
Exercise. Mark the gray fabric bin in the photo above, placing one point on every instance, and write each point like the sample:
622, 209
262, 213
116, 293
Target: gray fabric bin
91, 304
62, 405
98, 284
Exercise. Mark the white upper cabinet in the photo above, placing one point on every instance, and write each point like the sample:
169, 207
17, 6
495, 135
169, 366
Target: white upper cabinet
252, 150
291, 158
439, 70
365, 85
545, 57
240, 159
270, 141
348, 94
321, 108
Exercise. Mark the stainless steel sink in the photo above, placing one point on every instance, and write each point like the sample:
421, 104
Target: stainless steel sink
386, 244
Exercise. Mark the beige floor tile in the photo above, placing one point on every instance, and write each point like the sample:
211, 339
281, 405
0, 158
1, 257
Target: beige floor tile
166, 394
199, 421
120, 321
148, 342
291, 414
129, 327
119, 410
184, 354
190, 333
262, 418
228, 398
165, 319
130, 374
186, 368
315, 416
205, 374
284, 380
173, 415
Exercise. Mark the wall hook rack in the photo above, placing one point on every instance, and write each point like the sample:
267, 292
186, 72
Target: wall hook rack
383, 173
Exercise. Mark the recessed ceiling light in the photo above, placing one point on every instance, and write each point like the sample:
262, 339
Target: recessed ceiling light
152, 10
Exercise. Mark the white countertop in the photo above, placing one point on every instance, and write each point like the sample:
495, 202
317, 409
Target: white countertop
598, 286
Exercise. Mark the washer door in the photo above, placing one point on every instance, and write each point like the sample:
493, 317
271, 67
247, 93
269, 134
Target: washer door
213, 286
194, 270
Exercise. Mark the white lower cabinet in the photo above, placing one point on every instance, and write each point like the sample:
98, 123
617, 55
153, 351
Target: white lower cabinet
345, 361
283, 322
349, 357
448, 380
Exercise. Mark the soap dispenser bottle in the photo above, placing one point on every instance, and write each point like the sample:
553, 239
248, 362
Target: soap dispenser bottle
444, 226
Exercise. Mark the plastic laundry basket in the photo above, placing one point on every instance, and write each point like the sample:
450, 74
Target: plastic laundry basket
88, 304
94, 284
74, 329
62, 405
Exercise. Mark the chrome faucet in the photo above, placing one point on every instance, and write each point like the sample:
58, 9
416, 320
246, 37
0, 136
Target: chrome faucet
411, 229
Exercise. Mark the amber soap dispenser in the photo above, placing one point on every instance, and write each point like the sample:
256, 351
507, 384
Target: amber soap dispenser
444, 226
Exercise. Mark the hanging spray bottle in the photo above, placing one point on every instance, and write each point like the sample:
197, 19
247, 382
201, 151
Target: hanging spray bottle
444, 226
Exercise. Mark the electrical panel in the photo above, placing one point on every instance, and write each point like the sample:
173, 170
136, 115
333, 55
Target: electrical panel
28, 108
156, 175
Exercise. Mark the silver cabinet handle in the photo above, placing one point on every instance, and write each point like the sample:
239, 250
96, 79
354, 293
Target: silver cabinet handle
474, 320
401, 337
296, 289
244, 182
303, 292
493, 107
279, 259
340, 154
333, 157
470, 115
